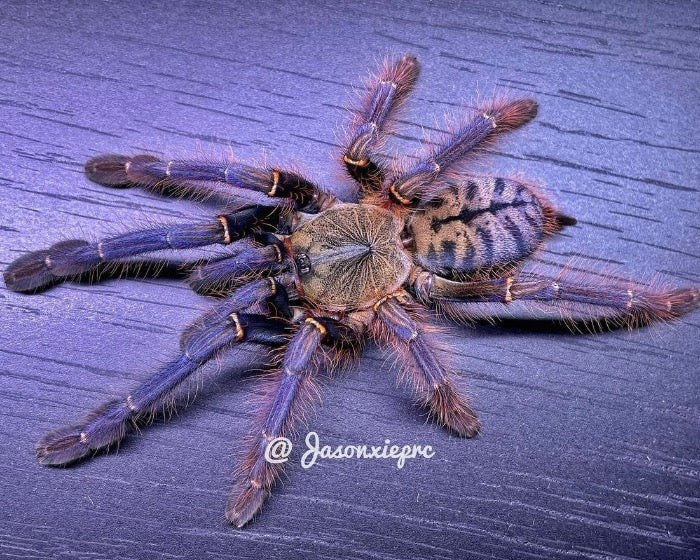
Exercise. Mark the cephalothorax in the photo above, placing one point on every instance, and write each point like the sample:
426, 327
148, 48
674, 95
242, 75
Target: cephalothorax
313, 276
350, 256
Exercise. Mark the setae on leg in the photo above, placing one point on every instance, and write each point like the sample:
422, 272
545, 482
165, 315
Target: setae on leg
611, 302
217, 330
219, 275
420, 181
291, 391
200, 178
71, 258
426, 375
373, 118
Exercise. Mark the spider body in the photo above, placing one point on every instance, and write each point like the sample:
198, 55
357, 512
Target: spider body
349, 257
313, 277
481, 224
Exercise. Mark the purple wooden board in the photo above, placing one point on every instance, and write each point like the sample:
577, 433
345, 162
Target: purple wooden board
590, 443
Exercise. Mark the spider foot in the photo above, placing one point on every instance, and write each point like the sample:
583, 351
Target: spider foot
683, 300
104, 426
512, 114
40, 269
62, 447
448, 409
111, 170
243, 506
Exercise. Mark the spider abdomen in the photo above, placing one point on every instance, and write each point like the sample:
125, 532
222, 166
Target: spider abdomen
349, 256
480, 224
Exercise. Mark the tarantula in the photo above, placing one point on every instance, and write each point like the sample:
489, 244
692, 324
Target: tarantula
313, 276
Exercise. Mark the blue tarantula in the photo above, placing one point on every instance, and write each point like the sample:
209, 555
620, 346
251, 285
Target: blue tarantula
312, 276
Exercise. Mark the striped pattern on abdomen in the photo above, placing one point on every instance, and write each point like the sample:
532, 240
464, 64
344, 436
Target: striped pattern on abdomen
480, 224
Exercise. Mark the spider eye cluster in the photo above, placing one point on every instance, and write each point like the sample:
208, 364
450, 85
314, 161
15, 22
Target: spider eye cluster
303, 263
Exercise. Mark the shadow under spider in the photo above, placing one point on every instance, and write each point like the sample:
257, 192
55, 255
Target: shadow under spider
539, 325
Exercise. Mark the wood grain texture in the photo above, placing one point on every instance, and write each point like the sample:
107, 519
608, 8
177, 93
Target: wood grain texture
590, 443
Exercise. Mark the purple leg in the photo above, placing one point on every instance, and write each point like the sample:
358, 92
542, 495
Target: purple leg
246, 259
610, 302
426, 375
72, 258
201, 179
420, 181
373, 117
290, 392
217, 330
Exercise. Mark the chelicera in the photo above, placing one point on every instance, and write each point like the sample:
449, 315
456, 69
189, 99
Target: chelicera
312, 276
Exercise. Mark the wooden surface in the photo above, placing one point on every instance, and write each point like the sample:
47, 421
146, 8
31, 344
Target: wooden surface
590, 443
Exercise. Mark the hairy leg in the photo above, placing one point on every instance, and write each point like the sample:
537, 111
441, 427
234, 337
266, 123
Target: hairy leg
373, 117
420, 181
244, 260
202, 179
611, 302
217, 330
426, 375
71, 258
290, 391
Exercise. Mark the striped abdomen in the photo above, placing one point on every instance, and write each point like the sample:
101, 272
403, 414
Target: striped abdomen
481, 224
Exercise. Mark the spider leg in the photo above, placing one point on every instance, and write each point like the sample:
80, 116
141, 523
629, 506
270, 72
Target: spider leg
174, 269
612, 302
433, 383
217, 330
246, 259
372, 120
204, 179
70, 258
291, 392
420, 181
